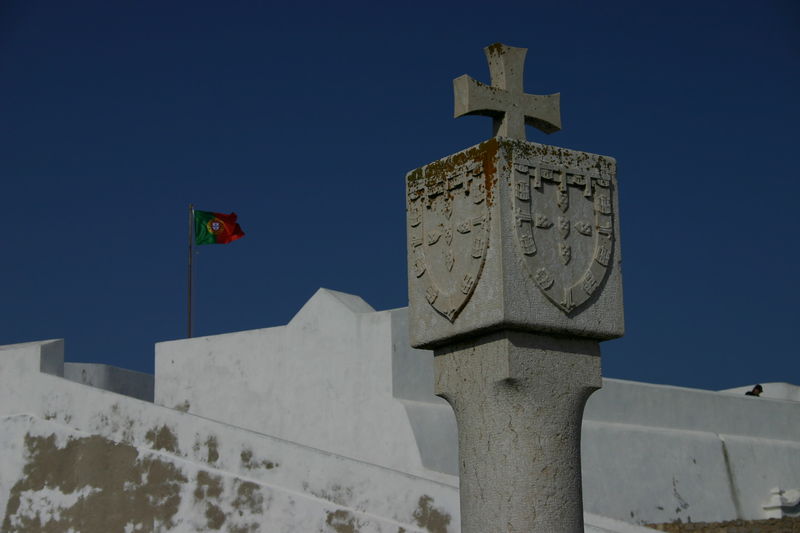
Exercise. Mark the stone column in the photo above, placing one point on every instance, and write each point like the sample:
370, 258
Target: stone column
514, 279
518, 399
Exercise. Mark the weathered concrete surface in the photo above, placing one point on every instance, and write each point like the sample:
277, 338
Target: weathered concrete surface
134, 384
650, 453
518, 400
696, 455
66, 445
86, 482
70, 481
356, 388
684, 409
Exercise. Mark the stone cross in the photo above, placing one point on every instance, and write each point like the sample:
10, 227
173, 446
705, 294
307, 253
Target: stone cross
504, 100
514, 279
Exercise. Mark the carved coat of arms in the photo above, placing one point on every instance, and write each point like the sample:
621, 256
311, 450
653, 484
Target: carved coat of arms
448, 227
564, 224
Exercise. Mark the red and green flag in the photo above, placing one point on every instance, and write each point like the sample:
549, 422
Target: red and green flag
215, 228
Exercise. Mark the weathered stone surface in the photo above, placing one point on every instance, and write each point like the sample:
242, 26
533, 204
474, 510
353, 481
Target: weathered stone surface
514, 235
504, 100
518, 400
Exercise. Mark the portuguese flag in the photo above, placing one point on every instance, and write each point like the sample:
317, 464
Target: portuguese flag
215, 228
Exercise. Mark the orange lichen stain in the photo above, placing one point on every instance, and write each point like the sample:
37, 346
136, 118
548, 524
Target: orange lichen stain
605, 166
435, 174
488, 152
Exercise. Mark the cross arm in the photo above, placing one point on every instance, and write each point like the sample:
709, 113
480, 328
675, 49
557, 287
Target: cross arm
505, 100
542, 111
475, 98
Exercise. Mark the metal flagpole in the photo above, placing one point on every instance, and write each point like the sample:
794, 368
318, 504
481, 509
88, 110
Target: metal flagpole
189, 299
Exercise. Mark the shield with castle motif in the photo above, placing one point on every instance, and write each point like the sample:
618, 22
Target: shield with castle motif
565, 228
448, 228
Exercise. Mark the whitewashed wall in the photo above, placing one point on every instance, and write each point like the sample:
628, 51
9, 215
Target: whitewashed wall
328, 379
102, 452
334, 414
696, 455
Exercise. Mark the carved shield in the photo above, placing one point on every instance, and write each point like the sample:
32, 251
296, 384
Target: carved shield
448, 227
565, 228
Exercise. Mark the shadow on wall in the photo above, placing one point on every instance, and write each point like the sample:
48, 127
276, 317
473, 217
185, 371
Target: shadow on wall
119, 380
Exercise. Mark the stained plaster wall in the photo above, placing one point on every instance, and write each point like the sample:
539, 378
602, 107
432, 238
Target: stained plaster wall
78, 457
379, 457
705, 455
340, 377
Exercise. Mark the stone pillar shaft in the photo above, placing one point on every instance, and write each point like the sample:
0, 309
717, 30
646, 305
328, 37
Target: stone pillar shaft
518, 399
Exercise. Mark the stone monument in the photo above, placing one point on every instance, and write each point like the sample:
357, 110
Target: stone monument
514, 279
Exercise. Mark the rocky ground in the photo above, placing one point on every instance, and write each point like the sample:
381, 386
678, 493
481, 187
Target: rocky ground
773, 525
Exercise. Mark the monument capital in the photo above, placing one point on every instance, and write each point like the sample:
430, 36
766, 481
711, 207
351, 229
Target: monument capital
514, 235
505, 100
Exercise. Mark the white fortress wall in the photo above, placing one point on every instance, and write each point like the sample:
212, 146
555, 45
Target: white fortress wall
327, 379
210, 472
336, 411
352, 368
695, 455
666, 406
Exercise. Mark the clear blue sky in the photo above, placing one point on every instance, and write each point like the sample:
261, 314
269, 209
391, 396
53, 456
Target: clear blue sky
303, 118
